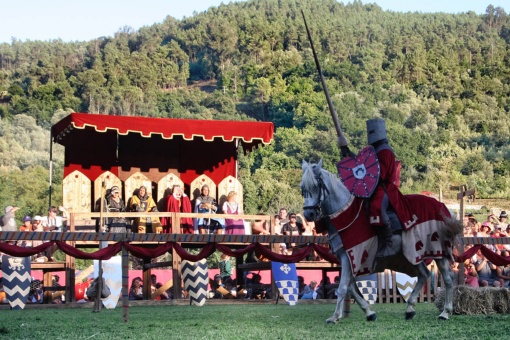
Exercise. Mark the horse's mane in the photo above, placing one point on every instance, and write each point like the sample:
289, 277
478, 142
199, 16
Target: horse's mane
309, 182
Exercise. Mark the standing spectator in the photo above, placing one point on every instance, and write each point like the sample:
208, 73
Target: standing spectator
26, 227
283, 216
502, 220
37, 226
226, 270
143, 202
278, 231
8, 220
53, 223
178, 201
232, 207
204, 204
292, 228
27, 224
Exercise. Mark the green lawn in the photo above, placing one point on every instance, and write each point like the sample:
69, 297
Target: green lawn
245, 321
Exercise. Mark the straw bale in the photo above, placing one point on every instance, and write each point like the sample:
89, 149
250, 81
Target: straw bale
470, 301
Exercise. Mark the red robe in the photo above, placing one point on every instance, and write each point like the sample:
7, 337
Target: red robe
174, 205
388, 181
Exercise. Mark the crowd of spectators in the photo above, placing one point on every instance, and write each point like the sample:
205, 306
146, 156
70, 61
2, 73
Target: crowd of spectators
478, 270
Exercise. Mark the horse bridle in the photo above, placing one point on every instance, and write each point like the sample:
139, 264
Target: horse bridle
323, 191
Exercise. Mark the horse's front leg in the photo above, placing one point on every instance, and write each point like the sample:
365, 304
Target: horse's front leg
343, 286
423, 275
360, 300
446, 273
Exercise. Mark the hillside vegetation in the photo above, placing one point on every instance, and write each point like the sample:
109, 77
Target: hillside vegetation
442, 82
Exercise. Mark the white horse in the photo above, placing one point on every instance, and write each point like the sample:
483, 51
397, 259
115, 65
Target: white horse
354, 241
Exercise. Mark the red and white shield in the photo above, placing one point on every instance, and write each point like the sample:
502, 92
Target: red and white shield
360, 174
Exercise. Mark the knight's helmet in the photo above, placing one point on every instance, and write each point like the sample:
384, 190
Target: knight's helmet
376, 130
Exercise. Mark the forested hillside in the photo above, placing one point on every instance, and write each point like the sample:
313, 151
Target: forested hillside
442, 82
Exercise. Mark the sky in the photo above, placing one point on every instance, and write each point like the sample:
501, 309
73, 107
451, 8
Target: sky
71, 20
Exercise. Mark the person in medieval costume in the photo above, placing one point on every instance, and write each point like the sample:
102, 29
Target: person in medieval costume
205, 203
178, 201
388, 206
143, 202
113, 202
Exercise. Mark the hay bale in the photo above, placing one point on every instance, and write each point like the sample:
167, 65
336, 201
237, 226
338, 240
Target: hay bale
470, 301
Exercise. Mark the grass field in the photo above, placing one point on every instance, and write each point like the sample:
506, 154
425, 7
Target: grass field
246, 321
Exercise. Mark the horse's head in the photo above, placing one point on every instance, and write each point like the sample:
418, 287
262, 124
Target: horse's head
313, 190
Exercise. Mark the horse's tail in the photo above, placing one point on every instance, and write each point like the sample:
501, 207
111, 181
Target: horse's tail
453, 227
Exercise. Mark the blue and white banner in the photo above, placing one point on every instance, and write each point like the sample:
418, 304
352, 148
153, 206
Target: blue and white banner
285, 277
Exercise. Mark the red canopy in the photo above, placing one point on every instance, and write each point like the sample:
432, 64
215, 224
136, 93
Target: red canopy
96, 143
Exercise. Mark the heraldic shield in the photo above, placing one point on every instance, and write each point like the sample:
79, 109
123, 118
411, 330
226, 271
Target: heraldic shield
361, 173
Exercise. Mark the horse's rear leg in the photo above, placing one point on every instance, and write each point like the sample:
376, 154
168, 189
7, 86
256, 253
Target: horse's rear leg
423, 275
446, 272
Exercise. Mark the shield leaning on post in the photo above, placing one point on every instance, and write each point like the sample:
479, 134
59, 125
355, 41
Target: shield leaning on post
196, 279
16, 280
112, 276
285, 278
360, 174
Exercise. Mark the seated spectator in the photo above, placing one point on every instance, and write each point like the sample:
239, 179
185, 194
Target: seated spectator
35, 294
256, 289
470, 274
487, 272
206, 204
331, 289
8, 220
504, 271
322, 288
301, 286
309, 292
259, 227
136, 290
219, 289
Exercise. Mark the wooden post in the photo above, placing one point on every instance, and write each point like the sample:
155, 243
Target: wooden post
176, 259
125, 282
98, 303
463, 192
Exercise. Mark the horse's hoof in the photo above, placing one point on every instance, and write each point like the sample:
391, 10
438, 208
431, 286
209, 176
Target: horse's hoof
410, 315
442, 317
330, 321
372, 317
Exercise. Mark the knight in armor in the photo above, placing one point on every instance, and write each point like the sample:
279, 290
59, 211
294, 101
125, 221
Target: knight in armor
388, 206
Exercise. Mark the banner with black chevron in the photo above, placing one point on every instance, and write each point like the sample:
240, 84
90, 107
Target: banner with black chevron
405, 284
196, 279
16, 280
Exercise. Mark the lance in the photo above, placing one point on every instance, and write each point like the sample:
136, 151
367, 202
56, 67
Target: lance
342, 141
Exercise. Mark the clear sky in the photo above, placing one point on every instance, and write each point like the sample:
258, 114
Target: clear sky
72, 20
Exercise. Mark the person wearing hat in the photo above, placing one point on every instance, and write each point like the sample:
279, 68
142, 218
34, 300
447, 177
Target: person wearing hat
485, 230
502, 220
113, 202
8, 220
292, 228
27, 224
